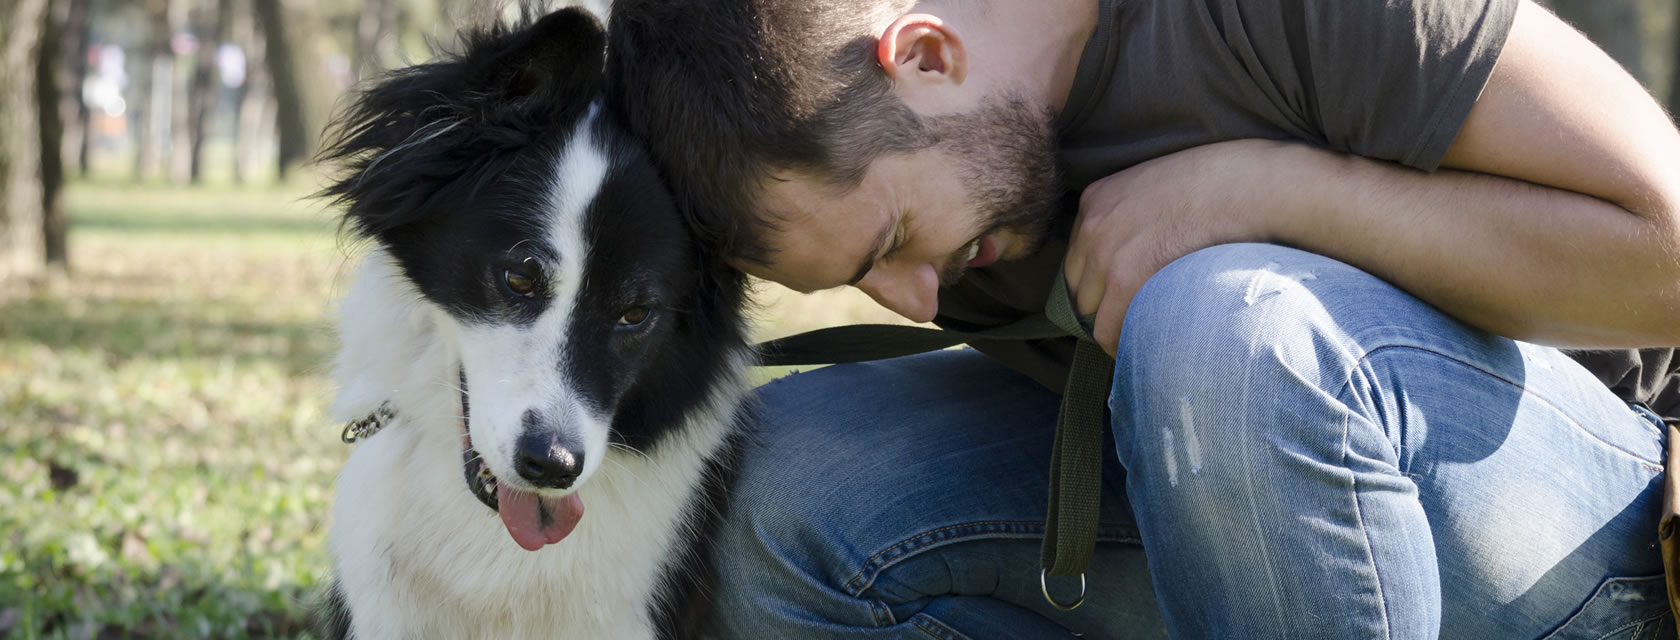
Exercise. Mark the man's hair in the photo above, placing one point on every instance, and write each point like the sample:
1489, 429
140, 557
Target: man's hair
724, 92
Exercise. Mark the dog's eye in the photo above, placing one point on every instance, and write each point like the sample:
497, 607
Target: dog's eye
634, 316
520, 282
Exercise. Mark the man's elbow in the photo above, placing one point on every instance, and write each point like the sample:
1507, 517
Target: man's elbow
1659, 207
1665, 221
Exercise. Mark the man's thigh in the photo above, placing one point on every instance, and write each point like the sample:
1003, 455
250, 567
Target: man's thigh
1364, 432
909, 495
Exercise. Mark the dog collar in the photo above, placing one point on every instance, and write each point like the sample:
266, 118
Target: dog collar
364, 427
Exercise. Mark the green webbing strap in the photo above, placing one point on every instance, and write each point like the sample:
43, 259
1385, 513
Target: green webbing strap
865, 342
1070, 528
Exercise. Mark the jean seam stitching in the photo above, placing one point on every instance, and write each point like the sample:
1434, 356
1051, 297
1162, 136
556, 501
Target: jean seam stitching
1359, 515
1348, 382
877, 609
933, 627
873, 566
1582, 610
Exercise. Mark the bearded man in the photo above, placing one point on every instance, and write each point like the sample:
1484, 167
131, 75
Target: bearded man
1334, 246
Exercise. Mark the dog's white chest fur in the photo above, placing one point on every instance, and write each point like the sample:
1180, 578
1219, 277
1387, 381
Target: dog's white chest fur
419, 557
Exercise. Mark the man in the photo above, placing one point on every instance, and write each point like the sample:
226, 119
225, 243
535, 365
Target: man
1323, 240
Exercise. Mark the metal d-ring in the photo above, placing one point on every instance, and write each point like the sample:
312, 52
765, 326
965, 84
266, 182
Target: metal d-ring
1043, 586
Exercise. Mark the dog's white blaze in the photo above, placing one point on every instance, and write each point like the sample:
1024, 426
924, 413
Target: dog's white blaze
420, 557
512, 369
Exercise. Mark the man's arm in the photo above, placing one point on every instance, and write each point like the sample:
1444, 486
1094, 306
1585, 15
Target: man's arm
1555, 220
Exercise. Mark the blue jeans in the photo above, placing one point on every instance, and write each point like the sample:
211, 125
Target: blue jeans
1301, 451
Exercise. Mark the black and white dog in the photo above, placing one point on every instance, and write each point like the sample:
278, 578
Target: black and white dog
533, 331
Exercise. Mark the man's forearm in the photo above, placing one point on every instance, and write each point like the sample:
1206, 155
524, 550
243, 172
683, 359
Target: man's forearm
1513, 258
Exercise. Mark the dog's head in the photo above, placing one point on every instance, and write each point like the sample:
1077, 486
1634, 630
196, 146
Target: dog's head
583, 312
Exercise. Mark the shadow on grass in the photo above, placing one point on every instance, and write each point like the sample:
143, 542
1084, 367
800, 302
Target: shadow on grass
155, 604
142, 209
127, 329
101, 219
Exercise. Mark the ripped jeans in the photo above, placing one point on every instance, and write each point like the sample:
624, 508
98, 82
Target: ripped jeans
1300, 451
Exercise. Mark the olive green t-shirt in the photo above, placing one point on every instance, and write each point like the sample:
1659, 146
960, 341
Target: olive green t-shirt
1387, 79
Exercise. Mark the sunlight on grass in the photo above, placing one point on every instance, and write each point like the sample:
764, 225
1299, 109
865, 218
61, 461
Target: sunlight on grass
166, 463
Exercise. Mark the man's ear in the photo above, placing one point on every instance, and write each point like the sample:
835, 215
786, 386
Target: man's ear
919, 48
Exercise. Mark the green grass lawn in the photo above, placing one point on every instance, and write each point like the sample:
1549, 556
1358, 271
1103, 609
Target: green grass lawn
166, 464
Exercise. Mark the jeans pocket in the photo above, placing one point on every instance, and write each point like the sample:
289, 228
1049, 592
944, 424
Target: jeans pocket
1622, 609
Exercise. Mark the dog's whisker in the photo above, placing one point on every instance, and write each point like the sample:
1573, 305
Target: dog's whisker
625, 447
625, 468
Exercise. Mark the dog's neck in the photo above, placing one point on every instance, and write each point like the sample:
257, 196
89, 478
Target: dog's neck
386, 353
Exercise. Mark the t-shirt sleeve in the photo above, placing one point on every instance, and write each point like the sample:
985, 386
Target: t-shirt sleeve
1388, 79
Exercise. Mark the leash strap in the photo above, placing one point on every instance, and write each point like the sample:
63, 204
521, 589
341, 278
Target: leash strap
1070, 527
865, 342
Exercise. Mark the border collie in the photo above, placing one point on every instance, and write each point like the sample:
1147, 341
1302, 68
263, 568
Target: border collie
533, 331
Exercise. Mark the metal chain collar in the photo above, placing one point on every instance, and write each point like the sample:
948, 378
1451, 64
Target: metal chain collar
366, 426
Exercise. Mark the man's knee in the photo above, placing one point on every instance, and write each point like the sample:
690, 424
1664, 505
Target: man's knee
1220, 345
1194, 326
1226, 297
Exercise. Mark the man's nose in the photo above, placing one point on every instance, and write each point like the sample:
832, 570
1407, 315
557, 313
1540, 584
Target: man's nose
911, 292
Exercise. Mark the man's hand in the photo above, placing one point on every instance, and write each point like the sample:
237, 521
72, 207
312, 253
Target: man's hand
1133, 223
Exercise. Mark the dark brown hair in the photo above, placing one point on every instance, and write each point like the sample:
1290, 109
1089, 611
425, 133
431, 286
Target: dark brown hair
723, 92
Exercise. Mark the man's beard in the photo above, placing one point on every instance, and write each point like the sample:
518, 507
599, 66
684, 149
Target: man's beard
1006, 154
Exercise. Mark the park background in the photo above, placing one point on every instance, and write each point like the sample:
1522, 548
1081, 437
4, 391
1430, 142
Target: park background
167, 284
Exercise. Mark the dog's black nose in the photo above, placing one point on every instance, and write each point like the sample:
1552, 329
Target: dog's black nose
543, 459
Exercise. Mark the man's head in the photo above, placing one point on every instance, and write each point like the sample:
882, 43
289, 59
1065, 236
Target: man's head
821, 143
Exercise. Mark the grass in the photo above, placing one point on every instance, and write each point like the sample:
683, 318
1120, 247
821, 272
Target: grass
166, 464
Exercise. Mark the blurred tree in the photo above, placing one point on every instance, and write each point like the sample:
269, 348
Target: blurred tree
20, 139
49, 61
1613, 24
77, 35
213, 32
152, 108
376, 37
294, 65
253, 116
183, 40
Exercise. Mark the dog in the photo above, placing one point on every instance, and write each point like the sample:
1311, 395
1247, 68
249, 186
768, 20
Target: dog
533, 331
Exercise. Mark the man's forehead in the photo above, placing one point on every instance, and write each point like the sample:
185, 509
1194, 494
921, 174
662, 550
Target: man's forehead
819, 239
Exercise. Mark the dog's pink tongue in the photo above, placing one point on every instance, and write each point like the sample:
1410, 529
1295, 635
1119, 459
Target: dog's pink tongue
534, 521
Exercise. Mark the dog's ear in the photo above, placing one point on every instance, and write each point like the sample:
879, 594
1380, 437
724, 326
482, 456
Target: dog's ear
550, 64
417, 131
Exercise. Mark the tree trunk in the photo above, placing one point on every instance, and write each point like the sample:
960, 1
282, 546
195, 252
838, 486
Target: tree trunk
1614, 25
20, 139
253, 125
206, 82
302, 96
153, 114
180, 92
54, 226
376, 37
78, 31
